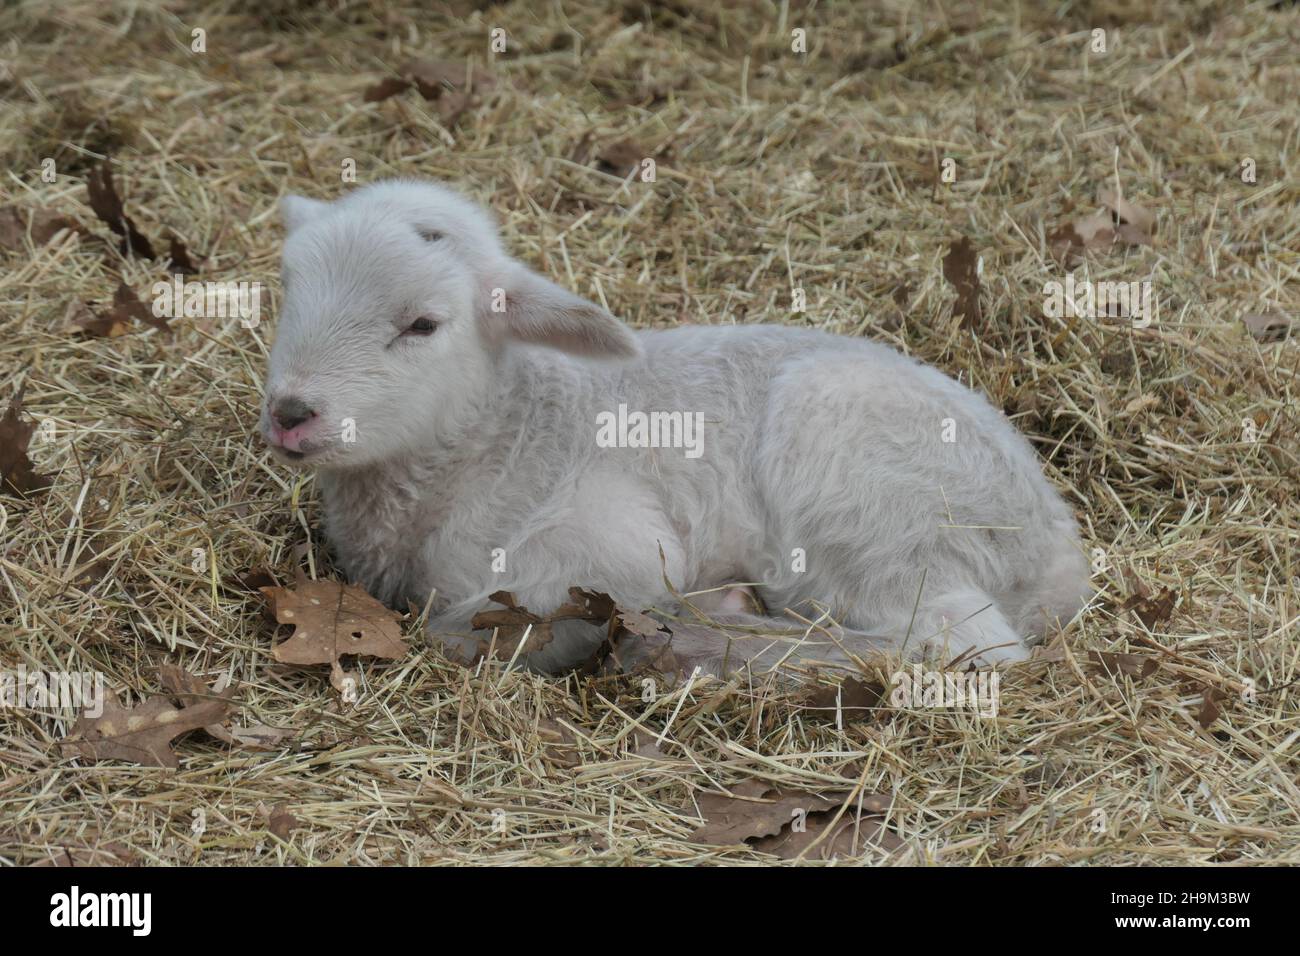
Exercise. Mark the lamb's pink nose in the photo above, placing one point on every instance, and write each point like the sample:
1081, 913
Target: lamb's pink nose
289, 413
290, 419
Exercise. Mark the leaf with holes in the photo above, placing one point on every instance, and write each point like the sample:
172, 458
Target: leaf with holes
330, 620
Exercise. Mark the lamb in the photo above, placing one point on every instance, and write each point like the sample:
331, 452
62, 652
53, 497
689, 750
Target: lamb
450, 400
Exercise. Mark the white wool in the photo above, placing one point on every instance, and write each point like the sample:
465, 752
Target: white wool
823, 472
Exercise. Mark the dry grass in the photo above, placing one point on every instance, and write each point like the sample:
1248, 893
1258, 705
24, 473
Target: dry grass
776, 170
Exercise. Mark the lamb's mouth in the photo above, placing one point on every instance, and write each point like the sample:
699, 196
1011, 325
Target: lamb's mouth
306, 452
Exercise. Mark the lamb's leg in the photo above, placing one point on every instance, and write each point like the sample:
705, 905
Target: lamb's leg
962, 625
959, 628
725, 629
619, 542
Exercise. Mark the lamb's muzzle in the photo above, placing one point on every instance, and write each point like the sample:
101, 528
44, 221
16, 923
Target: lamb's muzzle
842, 478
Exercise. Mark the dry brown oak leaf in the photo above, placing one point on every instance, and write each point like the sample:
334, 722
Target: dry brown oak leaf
789, 823
143, 734
332, 619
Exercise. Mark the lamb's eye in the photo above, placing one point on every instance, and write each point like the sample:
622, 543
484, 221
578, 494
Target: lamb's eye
421, 326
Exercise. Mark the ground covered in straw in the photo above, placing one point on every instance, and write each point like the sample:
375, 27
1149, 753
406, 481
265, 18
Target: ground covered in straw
1175, 442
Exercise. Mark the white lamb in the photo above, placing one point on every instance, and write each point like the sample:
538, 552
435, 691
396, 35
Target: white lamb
459, 410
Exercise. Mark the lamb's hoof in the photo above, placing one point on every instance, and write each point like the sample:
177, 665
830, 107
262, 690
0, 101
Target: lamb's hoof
978, 653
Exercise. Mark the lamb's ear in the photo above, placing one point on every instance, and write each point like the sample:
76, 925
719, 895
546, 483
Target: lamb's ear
539, 311
296, 210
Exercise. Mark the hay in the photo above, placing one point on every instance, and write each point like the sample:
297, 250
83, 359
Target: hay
774, 170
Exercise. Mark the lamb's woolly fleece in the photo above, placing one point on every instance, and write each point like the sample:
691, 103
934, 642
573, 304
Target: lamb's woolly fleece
834, 470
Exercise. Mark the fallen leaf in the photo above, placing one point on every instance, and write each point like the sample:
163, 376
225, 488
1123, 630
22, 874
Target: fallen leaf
961, 269
190, 689
1127, 212
1152, 611
636, 640
16, 224
1067, 243
450, 85
622, 158
853, 698
330, 620
785, 822
433, 78
179, 254
1267, 326
102, 325
848, 838
512, 625
386, 88
753, 808
251, 582
17, 474
107, 205
281, 822
1125, 223
515, 620
638, 623
128, 305
560, 742
143, 734
1134, 665
1210, 710
115, 321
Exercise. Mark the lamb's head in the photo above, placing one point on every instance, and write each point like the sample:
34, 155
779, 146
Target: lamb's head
398, 304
